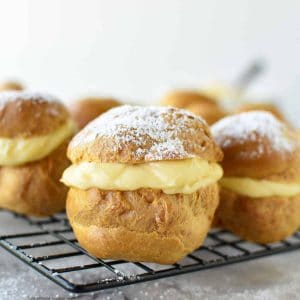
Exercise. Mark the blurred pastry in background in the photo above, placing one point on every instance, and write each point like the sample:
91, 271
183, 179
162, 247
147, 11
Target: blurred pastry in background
85, 110
34, 133
196, 102
260, 190
234, 93
143, 184
11, 86
264, 106
223, 93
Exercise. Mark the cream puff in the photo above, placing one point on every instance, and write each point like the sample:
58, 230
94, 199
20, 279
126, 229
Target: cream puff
143, 184
196, 102
34, 133
267, 106
85, 110
11, 86
260, 190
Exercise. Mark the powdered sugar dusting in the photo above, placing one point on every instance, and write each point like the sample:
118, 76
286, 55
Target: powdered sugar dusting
10, 96
137, 125
254, 125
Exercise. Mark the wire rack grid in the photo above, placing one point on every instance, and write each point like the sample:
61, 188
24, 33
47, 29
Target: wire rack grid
49, 246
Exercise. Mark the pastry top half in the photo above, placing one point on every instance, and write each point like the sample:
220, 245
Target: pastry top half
270, 107
257, 145
26, 114
133, 147
31, 126
133, 134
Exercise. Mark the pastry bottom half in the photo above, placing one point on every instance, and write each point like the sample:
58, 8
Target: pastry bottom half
34, 188
141, 225
261, 220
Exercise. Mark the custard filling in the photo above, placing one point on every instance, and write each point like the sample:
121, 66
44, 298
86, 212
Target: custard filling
256, 188
17, 151
172, 177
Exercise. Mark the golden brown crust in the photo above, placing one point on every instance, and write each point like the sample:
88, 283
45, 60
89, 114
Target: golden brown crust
24, 114
143, 135
263, 167
196, 102
211, 113
270, 107
142, 225
291, 174
269, 150
86, 110
262, 220
34, 188
182, 98
11, 86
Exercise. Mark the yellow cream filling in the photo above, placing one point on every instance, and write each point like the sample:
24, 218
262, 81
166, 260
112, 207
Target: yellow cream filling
17, 151
180, 176
256, 188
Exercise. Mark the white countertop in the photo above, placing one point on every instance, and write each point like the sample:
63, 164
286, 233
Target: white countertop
274, 277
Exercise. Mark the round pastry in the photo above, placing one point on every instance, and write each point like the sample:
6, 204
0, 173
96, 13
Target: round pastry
34, 133
11, 86
194, 101
86, 110
270, 107
260, 190
143, 184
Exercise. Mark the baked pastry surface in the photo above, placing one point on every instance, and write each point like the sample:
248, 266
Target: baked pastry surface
11, 86
131, 134
262, 220
270, 107
257, 145
196, 102
141, 225
34, 188
85, 110
144, 224
27, 121
259, 152
26, 114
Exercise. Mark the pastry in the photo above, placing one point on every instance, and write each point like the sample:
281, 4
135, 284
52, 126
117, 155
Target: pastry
260, 190
194, 101
143, 184
270, 107
34, 133
11, 86
85, 110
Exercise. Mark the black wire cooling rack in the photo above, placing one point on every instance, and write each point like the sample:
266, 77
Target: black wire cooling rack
49, 246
